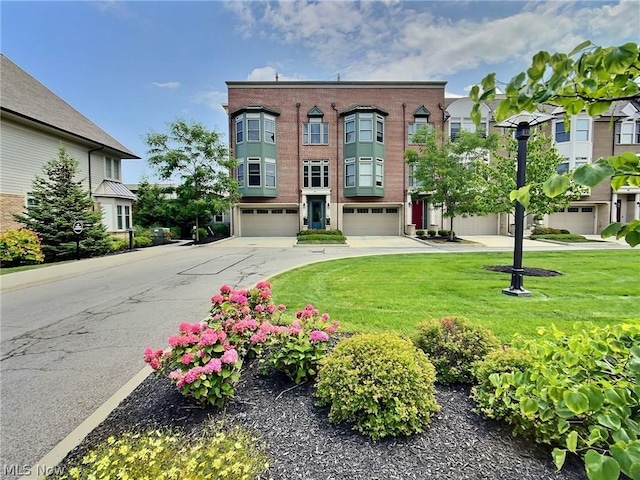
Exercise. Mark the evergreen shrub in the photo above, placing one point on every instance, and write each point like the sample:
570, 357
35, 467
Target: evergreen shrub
20, 247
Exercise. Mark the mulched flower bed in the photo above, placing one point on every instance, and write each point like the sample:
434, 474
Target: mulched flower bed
302, 444
528, 271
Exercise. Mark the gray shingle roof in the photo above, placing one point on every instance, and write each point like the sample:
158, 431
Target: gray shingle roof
23, 95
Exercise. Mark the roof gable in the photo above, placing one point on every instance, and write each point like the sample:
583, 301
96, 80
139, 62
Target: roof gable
26, 97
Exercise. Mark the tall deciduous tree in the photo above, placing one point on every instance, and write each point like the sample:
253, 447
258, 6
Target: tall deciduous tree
199, 159
58, 202
543, 161
449, 171
589, 78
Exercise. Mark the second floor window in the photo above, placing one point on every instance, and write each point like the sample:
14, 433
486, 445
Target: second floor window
239, 130
316, 174
582, 129
350, 172
379, 130
561, 134
270, 173
112, 168
240, 174
315, 133
254, 173
628, 132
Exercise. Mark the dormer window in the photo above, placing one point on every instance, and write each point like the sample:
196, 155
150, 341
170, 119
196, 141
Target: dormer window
315, 131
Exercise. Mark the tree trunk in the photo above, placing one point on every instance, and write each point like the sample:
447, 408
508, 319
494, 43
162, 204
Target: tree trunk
451, 233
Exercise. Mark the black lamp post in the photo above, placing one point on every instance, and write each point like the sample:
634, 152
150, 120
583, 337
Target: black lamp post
522, 123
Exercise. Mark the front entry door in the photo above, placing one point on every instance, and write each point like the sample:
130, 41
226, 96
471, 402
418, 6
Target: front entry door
316, 214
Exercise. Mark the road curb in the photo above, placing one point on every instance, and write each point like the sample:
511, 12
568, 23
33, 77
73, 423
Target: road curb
48, 463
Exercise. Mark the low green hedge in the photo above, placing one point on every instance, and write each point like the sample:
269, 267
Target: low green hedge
319, 232
572, 237
318, 238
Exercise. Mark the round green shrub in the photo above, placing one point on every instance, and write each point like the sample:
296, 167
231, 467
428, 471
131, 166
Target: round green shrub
142, 241
380, 383
453, 345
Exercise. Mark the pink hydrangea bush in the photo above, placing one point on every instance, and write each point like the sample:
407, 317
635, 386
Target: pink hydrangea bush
204, 359
299, 349
201, 362
242, 313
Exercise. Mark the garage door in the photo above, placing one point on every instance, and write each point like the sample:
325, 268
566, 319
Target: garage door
575, 219
269, 222
487, 225
371, 221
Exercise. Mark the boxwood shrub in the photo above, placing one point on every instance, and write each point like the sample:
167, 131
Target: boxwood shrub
379, 383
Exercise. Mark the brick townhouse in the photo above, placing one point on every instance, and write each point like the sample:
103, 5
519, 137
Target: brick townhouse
326, 154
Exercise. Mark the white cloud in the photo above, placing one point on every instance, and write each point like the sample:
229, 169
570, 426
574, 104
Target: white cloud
210, 98
116, 8
166, 84
268, 74
393, 40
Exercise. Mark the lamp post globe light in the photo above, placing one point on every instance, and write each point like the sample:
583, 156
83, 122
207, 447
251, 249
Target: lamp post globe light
522, 122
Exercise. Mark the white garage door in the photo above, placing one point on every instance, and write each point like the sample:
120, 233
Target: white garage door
269, 222
487, 225
575, 219
383, 221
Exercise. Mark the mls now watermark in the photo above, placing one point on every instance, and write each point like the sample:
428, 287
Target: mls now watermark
27, 470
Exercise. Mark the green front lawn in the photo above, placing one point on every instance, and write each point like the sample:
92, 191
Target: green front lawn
394, 292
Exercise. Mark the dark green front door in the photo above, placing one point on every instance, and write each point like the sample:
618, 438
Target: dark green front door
316, 213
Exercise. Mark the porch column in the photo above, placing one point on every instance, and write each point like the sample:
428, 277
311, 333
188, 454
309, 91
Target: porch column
407, 210
636, 207
613, 208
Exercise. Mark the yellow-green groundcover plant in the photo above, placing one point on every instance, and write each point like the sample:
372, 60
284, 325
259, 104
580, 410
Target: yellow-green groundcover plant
157, 455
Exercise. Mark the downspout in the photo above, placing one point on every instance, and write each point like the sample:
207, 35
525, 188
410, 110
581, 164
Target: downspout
333, 105
234, 174
299, 163
404, 164
93, 208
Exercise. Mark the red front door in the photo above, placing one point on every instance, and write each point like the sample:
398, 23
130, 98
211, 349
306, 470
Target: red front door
417, 213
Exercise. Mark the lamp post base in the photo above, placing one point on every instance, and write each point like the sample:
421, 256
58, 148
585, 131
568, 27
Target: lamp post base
516, 292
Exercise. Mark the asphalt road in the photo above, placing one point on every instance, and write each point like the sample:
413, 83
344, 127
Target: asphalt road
73, 334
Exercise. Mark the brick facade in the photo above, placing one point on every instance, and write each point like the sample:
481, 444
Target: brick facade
10, 204
293, 100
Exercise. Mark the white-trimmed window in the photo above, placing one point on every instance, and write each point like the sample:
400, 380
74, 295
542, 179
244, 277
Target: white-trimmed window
270, 172
465, 124
418, 124
253, 127
365, 172
365, 127
379, 129
569, 164
350, 129
560, 134
379, 172
269, 129
582, 129
240, 173
413, 181
315, 173
254, 172
123, 217
112, 168
240, 129
315, 132
628, 132
349, 172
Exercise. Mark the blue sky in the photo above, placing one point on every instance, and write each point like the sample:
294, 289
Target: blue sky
133, 67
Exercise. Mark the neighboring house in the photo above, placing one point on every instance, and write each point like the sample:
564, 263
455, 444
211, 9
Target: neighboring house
326, 155
35, 123
586, 140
